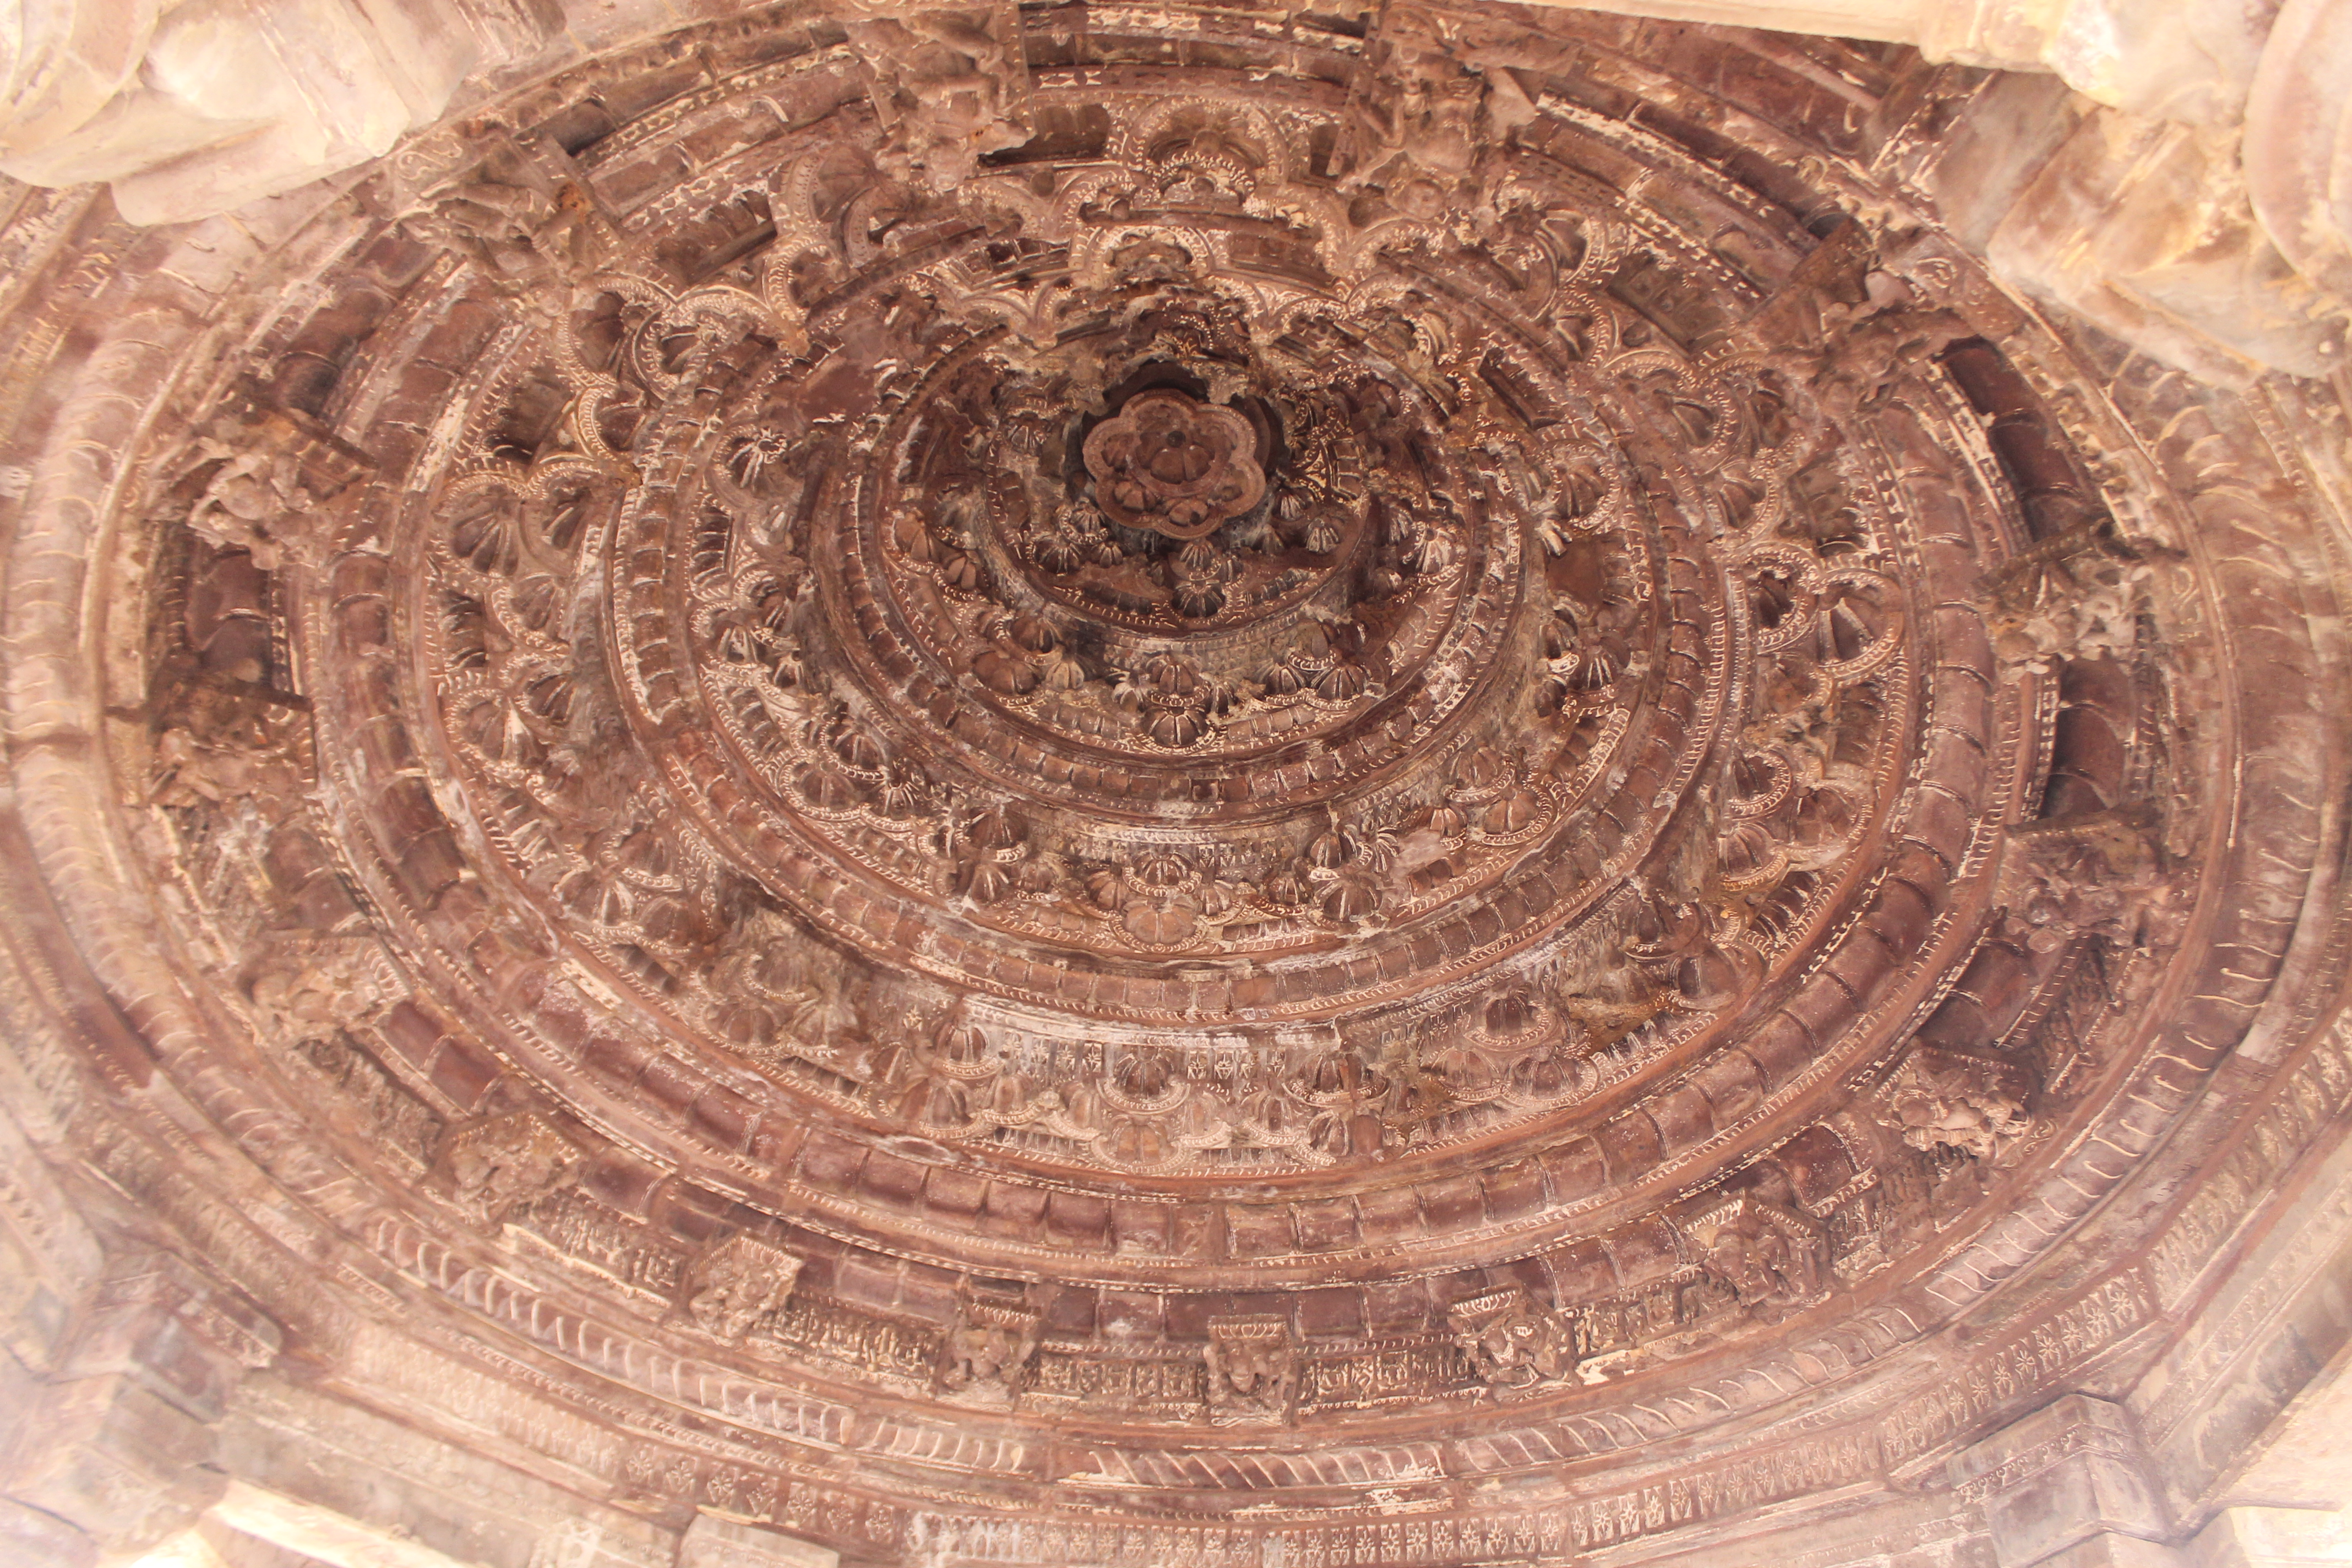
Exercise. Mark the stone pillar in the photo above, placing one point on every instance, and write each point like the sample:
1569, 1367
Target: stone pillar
2068, 1486
116, 1447
48, 1260
2272, 1538
195, 107
2298, 140
2195, 211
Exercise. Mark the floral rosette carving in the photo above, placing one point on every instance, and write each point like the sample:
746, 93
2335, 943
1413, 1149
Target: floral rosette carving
1175, 465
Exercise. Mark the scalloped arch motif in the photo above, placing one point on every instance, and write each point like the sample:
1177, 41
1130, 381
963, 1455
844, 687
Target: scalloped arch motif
1270, 795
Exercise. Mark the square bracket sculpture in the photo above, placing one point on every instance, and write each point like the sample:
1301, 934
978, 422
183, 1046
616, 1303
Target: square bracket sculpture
738, 1284
1253, 1364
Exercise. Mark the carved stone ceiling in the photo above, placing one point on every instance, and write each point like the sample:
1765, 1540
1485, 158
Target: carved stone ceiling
1171, 767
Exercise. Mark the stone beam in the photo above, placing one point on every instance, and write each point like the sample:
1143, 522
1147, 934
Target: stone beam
713, 1542
2193, 211
322, 1532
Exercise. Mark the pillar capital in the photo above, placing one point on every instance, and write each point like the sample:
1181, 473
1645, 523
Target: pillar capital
2054, 1483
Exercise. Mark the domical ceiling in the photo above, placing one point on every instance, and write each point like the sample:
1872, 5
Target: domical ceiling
1134, 790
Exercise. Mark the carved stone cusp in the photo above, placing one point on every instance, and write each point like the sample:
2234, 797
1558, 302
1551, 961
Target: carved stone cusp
949, 86
2075, 596
2091, 873
313, 988
522, 216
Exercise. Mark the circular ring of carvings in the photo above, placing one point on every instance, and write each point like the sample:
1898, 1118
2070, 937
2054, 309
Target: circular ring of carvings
1591, 809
